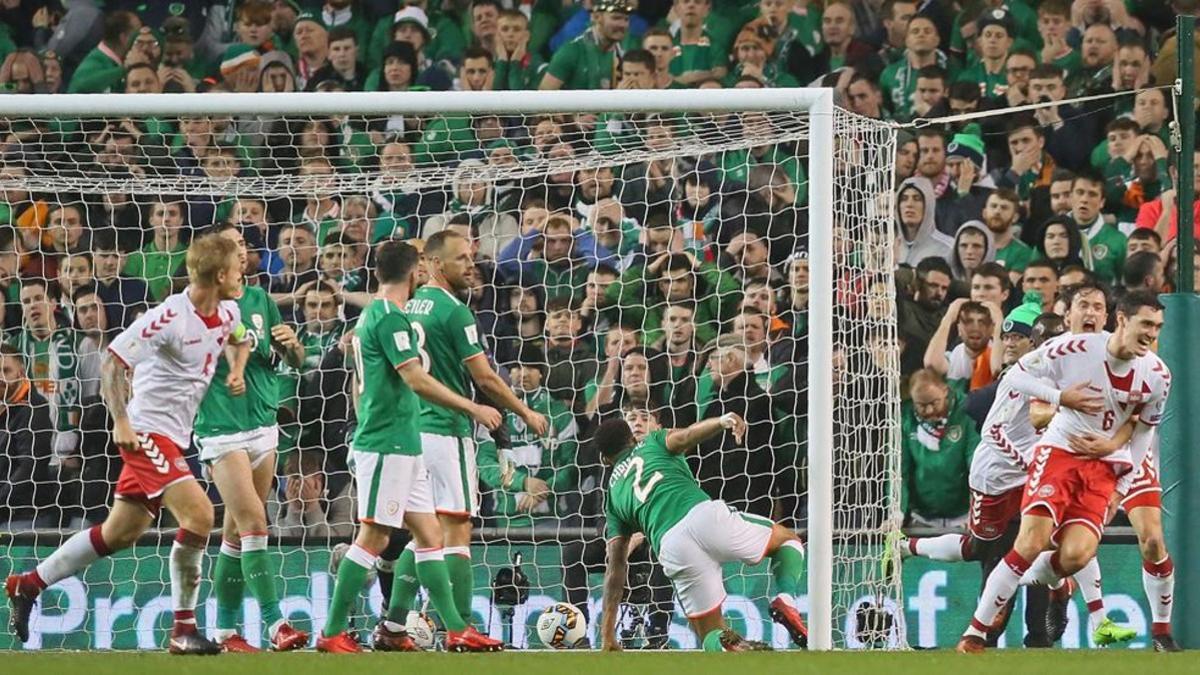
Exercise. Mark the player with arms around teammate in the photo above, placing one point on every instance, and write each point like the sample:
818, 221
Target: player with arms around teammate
652, 491
392, 482
172, 351
450, 350
1100, 381
237, 438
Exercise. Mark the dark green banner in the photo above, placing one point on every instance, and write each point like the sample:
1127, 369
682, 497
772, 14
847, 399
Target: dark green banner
124, 602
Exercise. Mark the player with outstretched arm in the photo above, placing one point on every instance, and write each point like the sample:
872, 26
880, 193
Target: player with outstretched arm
652, 492
172, 352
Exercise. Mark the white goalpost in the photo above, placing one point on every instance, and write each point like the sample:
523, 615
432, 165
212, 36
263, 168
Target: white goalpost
758, 188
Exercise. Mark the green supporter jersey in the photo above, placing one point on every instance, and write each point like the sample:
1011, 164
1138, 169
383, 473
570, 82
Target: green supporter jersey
1016, 256
650, 490
990, 84
388, 410
1108, 246
157, 268
935, 461
52, 366
446, 338
583, 64
701, 56
222, 413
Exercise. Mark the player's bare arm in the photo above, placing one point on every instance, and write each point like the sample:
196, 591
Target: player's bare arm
284, 340
680, 441
237, 354
489, 381
433, 391
616, 571
115, 391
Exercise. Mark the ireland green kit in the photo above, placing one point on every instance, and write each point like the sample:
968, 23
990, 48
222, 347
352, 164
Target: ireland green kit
446, 337
650, 491
222, 413
388, 409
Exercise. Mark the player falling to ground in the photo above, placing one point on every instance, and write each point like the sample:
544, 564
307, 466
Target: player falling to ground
1100, 381
172, 351
652, 491
391, 480
450, 350
237, 438
999, 471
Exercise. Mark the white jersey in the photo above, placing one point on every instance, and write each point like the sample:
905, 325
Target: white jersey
1136, 387
173, 351
1006, 441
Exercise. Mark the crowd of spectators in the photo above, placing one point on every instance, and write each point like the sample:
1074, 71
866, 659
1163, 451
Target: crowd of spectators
677, 283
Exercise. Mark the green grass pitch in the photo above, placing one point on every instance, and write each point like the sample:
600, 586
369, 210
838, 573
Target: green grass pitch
1005, 662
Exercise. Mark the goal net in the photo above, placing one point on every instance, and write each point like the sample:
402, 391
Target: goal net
632, 249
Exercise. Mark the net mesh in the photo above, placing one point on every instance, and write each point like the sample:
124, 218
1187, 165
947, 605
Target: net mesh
621, 259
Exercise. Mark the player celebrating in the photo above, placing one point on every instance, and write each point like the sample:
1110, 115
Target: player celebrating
1000, 468
172, 350
1100, 381
392, 483
652, 491
237, 438
447, 341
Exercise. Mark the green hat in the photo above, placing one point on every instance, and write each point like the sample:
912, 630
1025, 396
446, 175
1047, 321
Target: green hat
311, 17
1021, 319
967, 146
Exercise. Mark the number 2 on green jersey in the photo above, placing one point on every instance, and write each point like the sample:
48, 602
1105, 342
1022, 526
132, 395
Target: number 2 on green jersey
642, 491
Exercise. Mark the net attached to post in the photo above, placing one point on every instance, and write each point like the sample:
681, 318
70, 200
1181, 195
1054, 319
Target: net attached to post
622, 259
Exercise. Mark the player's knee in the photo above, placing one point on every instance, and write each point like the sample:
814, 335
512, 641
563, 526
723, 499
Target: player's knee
119, 539
198, 519
1153, 547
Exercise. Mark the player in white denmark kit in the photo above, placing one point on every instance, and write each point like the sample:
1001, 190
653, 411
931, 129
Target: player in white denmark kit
172, 350
1100, 381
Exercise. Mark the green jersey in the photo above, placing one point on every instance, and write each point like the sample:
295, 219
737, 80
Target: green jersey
650, 490
446, 338
316, 346
583, 64
388, 410
52, 366
157, 268
221, 412
700, 56
1016, 256
1108, 247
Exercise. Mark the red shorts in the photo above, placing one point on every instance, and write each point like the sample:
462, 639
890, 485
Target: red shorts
1072, 489
990, 515
1145, 489
155, 465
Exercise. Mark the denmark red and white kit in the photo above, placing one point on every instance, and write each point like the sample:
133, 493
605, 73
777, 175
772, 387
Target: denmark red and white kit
1000, 465
1073, 488
1144, 488
173, 351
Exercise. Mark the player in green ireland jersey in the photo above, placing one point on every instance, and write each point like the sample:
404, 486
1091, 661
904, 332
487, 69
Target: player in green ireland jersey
652, 493
236, 433
449, 347
392, 483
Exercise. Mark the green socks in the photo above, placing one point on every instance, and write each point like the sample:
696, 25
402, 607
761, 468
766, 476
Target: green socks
256, 567
458, 564
433, 573
351, 577
712, 641
787, 566
404, 586
228, 587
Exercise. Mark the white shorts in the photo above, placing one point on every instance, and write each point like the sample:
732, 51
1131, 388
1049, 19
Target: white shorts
691, 552
257, 444
388, 486
453, 473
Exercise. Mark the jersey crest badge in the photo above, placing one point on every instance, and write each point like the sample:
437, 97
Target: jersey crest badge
954, 434
1100, 251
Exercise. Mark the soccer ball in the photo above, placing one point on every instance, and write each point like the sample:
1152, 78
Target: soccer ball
421, 629
562, 626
